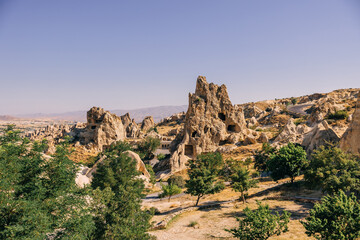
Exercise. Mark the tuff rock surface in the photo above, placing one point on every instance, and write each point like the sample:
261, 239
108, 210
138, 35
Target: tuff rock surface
211, 121
351, 139
103, 128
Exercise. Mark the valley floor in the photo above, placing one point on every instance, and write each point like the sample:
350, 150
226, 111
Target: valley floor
210, 223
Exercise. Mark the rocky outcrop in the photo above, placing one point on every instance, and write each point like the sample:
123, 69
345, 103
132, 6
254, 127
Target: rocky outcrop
147, 124
310, 138
131, 128
350, 141
321, 134
103, 128
211, 121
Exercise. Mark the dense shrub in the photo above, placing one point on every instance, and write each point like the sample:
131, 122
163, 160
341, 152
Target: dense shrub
260, 224
337, 217
338, 115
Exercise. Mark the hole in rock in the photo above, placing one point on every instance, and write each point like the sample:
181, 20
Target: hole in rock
194, 134
189, 150
231, 128
222, 116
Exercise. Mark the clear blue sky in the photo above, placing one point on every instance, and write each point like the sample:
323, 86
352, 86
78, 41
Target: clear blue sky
67, 55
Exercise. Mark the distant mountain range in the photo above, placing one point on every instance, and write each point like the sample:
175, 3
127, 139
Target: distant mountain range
7, 118
157, 113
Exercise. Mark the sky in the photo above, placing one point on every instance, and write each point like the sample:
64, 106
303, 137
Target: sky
60, 56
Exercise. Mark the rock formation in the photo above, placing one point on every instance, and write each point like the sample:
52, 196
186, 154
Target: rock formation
351, 139
103, 128
211, 121
131, 128
147, 124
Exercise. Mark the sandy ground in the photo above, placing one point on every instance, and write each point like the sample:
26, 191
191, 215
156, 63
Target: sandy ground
211, 223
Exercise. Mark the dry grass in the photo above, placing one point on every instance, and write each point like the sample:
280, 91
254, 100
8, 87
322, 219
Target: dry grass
83, 155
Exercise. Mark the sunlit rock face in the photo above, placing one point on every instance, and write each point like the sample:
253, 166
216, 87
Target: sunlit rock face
211, 121
103, 128
350, 141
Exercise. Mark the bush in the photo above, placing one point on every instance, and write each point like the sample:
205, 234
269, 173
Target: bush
260, 224
293, 100
339, 115
333, 170
336, 217
193, 224
177, 180
161, 156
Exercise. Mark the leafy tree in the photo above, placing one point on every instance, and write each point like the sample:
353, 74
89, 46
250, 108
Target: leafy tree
169, 191
150, 169
38, 196
260, 224
119, 147
148, 146
293, 100
333, 170
263, 156
242, 182
336, 217
118, 213
176, 180
203, 173
289, 160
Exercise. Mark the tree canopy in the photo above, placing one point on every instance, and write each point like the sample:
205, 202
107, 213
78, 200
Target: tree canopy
203, 173
337, 217
289, 161
333, 170
260, 224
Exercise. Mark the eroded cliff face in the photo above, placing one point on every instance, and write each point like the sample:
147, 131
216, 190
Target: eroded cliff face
211, 121
351, 139
103, 128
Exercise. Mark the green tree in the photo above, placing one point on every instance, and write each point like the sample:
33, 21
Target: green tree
263, 156
241, 181
38, 196
176, 180
169, 191
289, 160
203, 173
333, 170
150, 169
337, 217
293, 100
148, 147
119, 214
260, 224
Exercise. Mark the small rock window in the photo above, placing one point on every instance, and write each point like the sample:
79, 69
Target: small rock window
231, 128
93, 127
206, 129
189, 150
222, 116
194, 134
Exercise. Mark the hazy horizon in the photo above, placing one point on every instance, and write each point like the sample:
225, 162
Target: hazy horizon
68, 56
